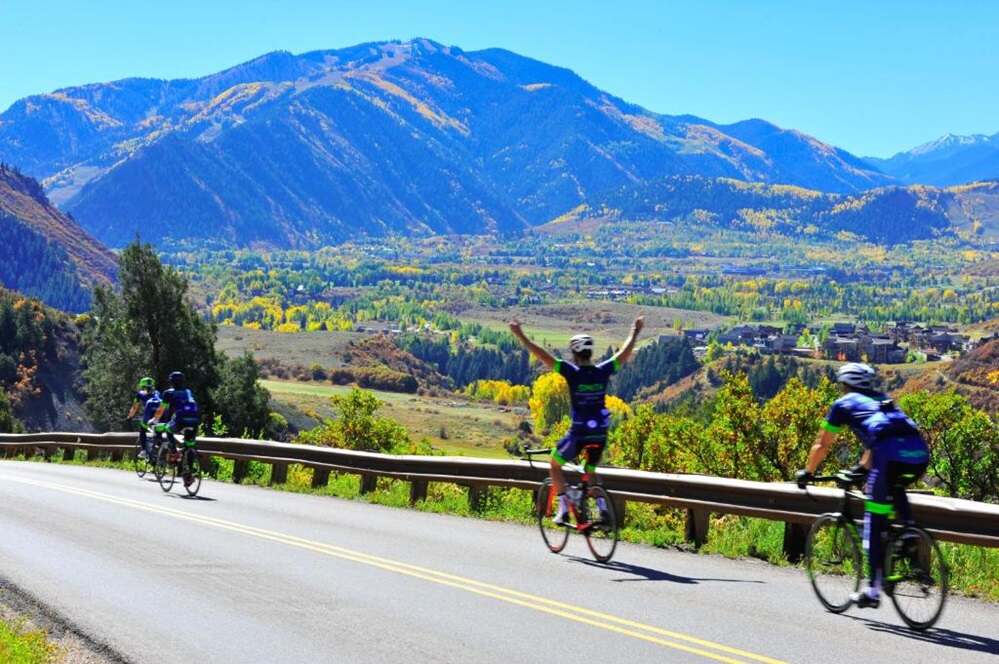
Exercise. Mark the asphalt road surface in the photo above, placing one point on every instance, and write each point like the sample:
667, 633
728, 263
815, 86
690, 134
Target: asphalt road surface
253, 575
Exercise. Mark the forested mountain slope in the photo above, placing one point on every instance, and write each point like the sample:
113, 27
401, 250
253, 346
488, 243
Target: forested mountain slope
395, 137
43, 252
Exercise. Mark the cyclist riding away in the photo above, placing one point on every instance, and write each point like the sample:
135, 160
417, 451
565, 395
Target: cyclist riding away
587, 390
895, 456
147, 400
182, 409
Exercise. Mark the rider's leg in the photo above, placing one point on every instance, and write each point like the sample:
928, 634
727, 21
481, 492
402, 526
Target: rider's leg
564, 452
159, 430
592, 454
144, 441
169, 431
877, 509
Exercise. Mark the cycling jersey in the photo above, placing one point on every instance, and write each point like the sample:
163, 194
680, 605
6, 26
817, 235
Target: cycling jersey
590, 417
182, 409
150, 403
881, 426
587, 390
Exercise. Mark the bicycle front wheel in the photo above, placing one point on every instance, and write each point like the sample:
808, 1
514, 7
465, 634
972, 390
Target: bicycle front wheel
166, 470
545, 507
916, 577
141, 465
192, 472
602, 533
834, 561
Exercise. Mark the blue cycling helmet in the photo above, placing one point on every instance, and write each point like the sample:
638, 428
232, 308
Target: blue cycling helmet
177, 380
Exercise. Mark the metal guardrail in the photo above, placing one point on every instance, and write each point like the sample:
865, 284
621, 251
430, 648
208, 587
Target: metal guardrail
948, 519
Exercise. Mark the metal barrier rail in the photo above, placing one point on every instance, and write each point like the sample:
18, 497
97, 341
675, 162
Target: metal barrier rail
948, 519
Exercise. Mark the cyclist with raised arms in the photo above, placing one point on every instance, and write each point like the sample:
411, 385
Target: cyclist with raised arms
895, 456
147, 401
587, 390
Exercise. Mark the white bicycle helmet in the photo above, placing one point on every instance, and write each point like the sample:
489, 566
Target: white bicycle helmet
581, 343
856, 374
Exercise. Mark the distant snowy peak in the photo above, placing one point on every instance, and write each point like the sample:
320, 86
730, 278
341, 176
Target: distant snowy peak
946, 161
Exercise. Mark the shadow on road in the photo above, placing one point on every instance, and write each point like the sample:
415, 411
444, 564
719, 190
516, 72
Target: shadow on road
648, 574
180, 496
940, 637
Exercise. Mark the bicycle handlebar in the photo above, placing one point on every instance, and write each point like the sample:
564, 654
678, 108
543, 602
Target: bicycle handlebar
537, 451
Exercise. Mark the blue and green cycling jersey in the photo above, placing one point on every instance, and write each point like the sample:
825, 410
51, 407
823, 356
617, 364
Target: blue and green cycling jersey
881, 426
588, 391
150, 401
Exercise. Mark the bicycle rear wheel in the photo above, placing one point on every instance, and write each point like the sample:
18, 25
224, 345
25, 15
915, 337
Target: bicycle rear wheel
916, 577
192, 472
602, 534
834, 561
166, 470
545, 506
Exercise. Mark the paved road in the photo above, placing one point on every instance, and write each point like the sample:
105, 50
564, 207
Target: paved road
252, 575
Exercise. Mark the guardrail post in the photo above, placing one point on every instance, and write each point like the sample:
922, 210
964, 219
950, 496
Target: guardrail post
477, 497
417, 491
696, 527
117, 454
320, 477
795, 535
368, 483
279, 473
240, 469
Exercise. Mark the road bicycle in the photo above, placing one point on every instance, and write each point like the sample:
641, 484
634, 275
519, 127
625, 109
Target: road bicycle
145, 464
591, 511
171, 461
915, 571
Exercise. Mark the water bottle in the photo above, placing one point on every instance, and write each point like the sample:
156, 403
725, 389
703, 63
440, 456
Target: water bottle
574, 494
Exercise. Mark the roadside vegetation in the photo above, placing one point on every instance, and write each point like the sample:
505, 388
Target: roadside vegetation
19, 645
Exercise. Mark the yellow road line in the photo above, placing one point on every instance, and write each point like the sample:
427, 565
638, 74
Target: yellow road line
536, 602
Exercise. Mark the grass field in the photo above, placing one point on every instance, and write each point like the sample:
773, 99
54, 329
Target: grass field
470, 428
609, 322
303, 348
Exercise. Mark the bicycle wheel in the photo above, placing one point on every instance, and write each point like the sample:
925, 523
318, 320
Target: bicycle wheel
545, 505
166, 470
834, 561
916, 577
141, 465
192, 472
158, 467
602, 535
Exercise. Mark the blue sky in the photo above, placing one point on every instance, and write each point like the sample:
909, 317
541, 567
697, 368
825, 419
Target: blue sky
873, 77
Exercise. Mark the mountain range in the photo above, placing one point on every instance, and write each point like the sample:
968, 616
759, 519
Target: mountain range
417, 138
949, 160
43, 252
410, 137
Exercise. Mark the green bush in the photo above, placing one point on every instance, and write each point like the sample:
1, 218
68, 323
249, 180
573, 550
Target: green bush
358, 426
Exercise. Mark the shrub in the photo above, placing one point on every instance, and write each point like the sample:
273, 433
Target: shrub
358, 426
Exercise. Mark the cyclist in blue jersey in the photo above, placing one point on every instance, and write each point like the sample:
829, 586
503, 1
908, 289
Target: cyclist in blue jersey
895, 456
587, 390
147, 401
180, 407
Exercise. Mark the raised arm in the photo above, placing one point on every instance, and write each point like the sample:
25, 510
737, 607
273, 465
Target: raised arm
624, 354
534, 349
